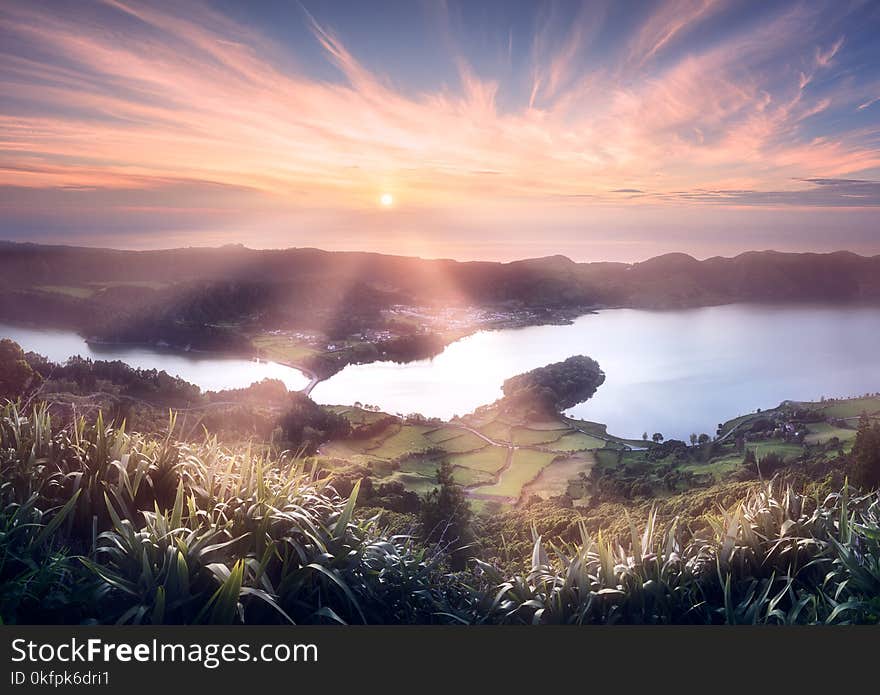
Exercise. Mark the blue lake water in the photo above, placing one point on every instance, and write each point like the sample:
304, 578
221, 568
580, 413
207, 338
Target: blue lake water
209, 372
673, 372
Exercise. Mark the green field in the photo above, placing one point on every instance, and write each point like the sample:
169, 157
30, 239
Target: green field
528, 436
490, 459
439, 435
400, 439
417, 483
852, 408
407, 439
821, 432
356, 416
471, 477
717, 467
347, 451
526, 466
496, 430
737, 421
548, 424
607, 458
786, 450
463, 441
556, 479
577, 441
282, 348
420, 465
589, 427
550, 456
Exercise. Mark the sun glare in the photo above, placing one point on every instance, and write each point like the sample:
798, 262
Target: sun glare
387, 200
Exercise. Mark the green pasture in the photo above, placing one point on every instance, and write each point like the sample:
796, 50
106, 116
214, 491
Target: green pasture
526, 466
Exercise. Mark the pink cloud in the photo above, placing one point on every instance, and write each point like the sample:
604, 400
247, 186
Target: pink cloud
207, 101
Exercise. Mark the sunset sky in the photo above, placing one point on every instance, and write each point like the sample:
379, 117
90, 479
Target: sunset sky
495, 130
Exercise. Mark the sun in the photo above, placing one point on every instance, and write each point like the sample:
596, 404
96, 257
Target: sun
387, 200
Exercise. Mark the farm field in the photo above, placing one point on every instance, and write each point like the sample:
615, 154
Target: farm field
490, 459
357, 416
524, 468
821, 432
530, 436
461, 442
852, 408
551, 458
786, 450
281, 348
717, 467
496, 430
560, 477
577, 441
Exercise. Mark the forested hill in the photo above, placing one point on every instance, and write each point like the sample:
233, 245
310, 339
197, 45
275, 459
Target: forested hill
671, 280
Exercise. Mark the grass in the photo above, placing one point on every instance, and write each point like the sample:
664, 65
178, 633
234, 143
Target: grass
853, 407
464, 441
548, 425
169, 532
421, 484
439, 435
471, 477
607, 459
346, 452
407, 439
737, 421
593, 428
529, 436
786, 450
821, 432
420, 465
393, 442
373, 443
577, 441
356, 416
282, 348
555, 479
600, 431
718, 467
526, 466
491, 459
496, 430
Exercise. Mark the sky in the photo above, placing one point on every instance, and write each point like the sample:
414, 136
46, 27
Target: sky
490, 130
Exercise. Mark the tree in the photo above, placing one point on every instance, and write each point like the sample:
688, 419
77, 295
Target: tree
446, 515
866, 454
306, 425
16, 375
550, 390
693, 439
657, 437
645, 436
703, 438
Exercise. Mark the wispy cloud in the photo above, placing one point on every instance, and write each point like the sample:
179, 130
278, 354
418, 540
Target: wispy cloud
186, 94
671, 21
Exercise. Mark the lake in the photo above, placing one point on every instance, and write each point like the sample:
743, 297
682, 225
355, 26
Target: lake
673, 372
209, 372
